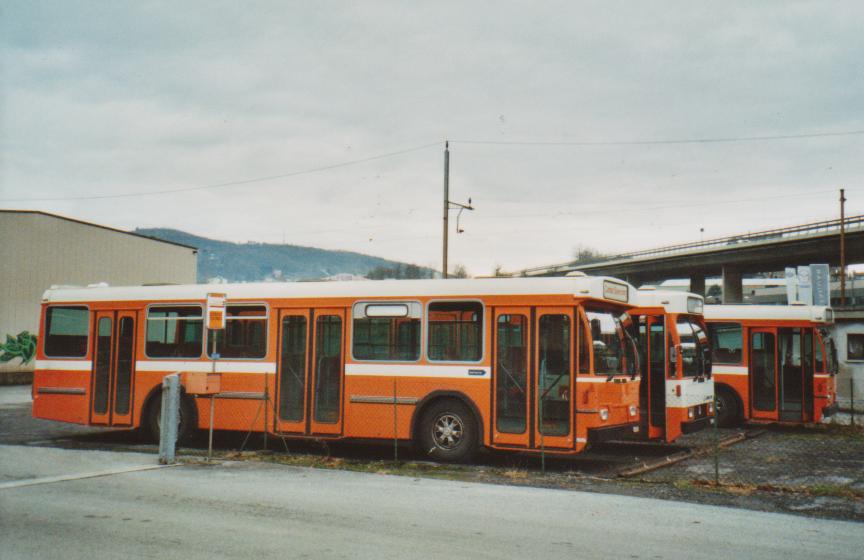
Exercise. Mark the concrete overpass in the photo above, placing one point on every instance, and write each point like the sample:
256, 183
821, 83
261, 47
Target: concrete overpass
729, 257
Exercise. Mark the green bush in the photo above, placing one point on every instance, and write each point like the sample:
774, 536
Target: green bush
22, 346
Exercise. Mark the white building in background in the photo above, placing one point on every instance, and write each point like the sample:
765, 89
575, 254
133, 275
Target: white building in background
38, 250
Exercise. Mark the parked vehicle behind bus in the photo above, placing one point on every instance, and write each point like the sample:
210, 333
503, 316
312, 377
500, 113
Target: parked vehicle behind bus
452, 365
677, 392
772, 363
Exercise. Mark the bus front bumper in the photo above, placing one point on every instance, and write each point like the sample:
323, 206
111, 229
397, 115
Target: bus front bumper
830, 410
696, 425
622, 432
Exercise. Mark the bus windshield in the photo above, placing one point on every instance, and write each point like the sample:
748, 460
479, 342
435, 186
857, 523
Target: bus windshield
830, 350
694, 348
614, 351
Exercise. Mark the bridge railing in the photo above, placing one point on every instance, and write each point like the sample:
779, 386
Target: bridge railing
851, 222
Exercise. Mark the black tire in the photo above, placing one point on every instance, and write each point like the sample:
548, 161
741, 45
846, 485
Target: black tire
188, 418
727, 409
448, 432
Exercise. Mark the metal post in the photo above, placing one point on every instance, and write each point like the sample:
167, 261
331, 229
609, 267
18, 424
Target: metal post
540, 412
169, 419
852, 399
266, 408
395, 425
842, 248
446, 205
213, 357
716, 445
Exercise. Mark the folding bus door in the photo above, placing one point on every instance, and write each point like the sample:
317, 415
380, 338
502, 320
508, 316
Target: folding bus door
327, 371
652, 388
763, 374
512, 389
554, 360
795, 374
292, 371
112, 384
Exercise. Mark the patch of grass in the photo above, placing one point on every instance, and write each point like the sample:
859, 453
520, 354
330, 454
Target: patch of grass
740, 489
835, 491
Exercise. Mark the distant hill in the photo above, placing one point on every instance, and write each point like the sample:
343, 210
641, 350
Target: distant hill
255, 262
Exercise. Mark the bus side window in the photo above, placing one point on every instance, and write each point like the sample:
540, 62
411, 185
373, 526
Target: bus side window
726, 342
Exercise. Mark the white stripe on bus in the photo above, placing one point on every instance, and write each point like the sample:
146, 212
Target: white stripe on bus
399, 370
221, 367
64, 365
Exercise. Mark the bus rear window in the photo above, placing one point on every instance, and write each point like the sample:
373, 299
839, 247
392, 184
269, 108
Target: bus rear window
726, 342
66, 332
174, 332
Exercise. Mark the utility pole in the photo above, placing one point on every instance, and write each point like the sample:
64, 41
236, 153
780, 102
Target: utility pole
842, 247
446, 204
449, 205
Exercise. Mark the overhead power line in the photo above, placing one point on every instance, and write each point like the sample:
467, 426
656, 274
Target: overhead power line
228, 183
656, 142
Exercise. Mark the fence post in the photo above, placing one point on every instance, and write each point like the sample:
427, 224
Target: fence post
395, 423
716, 444
169, 419
852, 399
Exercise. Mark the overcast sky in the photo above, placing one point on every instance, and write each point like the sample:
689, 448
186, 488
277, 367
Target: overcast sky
115, 98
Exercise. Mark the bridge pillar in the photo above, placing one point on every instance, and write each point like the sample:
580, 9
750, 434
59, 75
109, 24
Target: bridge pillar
697, 284
733, 286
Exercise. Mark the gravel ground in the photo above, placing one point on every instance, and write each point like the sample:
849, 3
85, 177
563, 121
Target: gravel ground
816, 471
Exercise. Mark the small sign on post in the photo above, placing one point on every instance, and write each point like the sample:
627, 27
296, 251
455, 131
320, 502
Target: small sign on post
215, 311
212, 384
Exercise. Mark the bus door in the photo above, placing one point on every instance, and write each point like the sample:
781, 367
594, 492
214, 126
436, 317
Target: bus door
795, 374
781, 374
533, 377
652, 389
763, 373
310, 368
113, 368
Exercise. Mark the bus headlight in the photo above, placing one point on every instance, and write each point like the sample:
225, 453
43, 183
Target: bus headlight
633, 410
604, 414
710, 408
689, 413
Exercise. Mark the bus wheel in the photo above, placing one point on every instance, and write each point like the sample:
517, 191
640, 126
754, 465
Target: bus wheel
448, 432
726, 408
188, 419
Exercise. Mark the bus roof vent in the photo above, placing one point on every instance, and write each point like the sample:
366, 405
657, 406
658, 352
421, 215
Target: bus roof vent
98, 285
647, 288
576, 274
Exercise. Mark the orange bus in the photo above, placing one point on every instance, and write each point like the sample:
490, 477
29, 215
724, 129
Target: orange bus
453, 365
772, 363
677, 392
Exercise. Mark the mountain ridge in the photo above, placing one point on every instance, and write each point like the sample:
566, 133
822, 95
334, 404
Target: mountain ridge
255, 262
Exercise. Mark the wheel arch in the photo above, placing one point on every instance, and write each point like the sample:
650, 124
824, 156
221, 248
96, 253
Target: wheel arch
155, 393
730, 390
443, 395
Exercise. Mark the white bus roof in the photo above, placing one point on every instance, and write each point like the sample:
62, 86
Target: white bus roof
814, 313
599, 287
672, 301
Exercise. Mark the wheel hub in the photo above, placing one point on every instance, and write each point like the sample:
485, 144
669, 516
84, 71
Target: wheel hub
447, 431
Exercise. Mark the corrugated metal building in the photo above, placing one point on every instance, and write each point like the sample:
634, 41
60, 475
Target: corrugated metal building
38, 250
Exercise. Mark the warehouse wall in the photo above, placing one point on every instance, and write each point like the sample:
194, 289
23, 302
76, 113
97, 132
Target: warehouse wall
40, 250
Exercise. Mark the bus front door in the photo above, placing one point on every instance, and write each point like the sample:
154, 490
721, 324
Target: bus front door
310, 372
533, 378
112, 383
652, 389
763, 374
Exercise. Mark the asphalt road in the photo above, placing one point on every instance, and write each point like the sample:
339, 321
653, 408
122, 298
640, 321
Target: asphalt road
85, 503
258, 510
